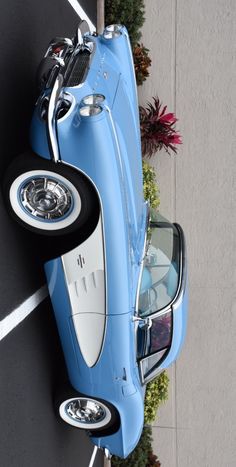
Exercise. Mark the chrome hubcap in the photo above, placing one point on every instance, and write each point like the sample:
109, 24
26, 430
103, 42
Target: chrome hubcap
46, 198
85, 411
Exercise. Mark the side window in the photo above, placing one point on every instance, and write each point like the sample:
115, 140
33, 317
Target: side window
160, 332
155, 344
150, 364
161, 269
157, 337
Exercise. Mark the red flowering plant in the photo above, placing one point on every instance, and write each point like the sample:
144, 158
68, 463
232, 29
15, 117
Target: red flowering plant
158, 129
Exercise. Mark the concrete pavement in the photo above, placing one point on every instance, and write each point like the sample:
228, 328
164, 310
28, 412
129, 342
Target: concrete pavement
192, 45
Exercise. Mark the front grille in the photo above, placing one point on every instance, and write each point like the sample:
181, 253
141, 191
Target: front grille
78, 69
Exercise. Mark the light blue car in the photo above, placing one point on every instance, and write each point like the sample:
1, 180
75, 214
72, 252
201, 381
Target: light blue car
117, 281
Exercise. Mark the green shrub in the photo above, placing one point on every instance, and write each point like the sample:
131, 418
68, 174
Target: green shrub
150, 188
142, 456
127, 12
156, 394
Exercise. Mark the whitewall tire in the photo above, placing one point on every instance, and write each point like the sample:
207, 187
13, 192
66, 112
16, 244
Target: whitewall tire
48, 198
42, 209
85, 413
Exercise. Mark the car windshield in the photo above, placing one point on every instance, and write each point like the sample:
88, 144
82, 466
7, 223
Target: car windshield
159, 285
160, 275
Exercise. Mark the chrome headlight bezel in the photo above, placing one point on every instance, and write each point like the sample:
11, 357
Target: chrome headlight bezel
90, 110
93, 99
113, 31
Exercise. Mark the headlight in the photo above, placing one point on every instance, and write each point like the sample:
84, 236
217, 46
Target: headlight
112, 31
90, 110
93, 99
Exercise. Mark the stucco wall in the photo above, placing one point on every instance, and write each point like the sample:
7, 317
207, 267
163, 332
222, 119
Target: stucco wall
193, 48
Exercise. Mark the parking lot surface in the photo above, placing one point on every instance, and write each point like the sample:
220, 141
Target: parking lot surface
31, 364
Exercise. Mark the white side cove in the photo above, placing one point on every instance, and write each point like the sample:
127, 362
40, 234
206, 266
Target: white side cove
84, 269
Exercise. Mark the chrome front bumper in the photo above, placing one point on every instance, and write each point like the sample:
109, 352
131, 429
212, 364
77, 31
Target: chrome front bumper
65, 63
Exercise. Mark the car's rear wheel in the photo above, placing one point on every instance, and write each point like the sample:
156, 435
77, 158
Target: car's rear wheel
88, 413
47, 198
85, 413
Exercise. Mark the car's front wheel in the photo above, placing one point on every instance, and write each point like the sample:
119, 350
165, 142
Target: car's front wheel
94, 415
48, 198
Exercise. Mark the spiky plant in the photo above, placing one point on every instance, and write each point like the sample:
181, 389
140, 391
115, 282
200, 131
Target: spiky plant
142, 62
158, 129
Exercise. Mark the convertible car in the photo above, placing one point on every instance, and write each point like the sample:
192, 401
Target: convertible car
116, 274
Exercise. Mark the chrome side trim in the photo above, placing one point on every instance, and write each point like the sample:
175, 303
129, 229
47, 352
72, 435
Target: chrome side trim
122, 174
132, 61
116, 139
51, 118
142, 259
